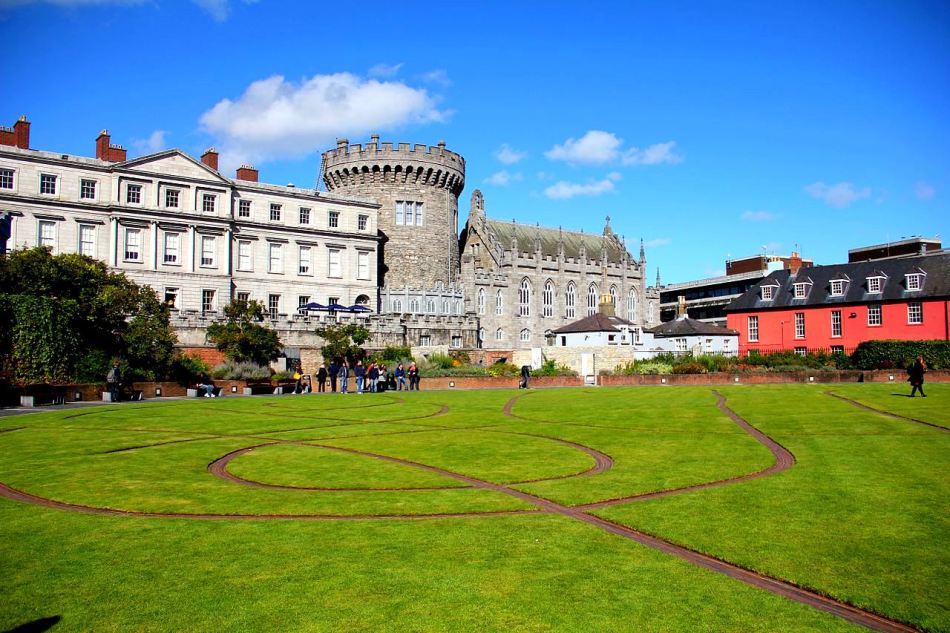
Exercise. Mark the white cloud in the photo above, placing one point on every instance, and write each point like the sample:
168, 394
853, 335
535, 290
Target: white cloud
924, 191
839, 195
384, 70
509, 156
276, 118
563, 190
655, 154
594, 148
503, 178
760, 216
154, 143
660, 241
438, 76
217, 9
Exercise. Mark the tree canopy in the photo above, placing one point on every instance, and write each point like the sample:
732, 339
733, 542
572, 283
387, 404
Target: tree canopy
241, 337
343, 341
64, 317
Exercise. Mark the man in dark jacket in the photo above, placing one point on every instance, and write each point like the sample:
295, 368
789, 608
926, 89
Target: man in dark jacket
334, 373
916, 376
114, 380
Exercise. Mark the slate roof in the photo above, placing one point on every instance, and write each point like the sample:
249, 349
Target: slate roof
936, 284
526, 235
595, 323
689, 327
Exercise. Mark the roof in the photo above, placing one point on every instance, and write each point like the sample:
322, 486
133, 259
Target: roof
689, 327
526, 234
598, 322
936, 283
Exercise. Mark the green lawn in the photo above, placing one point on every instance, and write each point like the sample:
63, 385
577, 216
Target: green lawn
862, 516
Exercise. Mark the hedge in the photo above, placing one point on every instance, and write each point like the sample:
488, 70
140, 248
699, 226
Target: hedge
901, 354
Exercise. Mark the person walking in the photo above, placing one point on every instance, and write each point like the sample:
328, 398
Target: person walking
322, 378
400, 375
525, 377
359, 372
114, 382
916, 376
413, 373
334, 375
344, 376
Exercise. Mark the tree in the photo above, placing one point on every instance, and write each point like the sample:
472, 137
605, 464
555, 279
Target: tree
240, 336
65, 316
343, 341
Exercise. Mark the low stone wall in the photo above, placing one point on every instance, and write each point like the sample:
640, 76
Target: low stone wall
93, 392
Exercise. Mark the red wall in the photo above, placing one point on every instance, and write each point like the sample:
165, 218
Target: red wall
777, 327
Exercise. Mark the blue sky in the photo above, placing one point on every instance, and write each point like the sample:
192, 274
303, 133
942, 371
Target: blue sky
711, 130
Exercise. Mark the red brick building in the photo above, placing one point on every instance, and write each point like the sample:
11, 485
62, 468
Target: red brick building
833, 308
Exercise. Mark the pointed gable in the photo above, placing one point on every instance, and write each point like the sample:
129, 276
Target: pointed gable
173, 163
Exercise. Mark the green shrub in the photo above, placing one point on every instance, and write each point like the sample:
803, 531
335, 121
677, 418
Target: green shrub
551, 368
440, 361
689, 368
901, 354
231, 370
503, 369
186, 369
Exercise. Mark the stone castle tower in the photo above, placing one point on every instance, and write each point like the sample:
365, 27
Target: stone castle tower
418, 188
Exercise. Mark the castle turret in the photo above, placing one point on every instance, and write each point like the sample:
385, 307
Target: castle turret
418, 189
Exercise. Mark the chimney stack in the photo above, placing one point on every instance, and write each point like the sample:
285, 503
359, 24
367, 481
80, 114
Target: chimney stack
247, 172
18, 135
210, 158
681, 312
106, 151
795, 262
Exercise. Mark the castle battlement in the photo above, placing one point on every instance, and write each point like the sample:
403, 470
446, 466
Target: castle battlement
346, 153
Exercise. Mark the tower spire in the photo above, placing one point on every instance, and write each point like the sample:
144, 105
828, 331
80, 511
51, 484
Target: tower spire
643, 254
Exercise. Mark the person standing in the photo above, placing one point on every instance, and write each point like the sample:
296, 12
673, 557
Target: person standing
916, 376
373, 376
114, 381
413, 373
334, 374
344, 376
322, 378
525, 376
381, 383
400, 374
359, 372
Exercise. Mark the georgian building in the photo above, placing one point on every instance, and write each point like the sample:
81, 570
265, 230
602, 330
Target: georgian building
196, 236
834, 308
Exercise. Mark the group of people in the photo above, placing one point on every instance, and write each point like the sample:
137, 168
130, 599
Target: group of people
374, 377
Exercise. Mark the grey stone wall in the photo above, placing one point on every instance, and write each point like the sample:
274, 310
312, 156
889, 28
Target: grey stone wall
414, 256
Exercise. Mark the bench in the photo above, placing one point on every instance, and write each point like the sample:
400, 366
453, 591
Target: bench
39, 395
263, 389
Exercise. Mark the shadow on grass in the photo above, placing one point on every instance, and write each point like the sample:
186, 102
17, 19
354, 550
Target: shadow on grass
37, 626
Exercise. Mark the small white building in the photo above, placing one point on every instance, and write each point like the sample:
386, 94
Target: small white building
690, 336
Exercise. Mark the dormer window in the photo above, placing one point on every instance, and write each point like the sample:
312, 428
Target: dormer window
800, 289
837, 287
768, 293
915, 281
875, 284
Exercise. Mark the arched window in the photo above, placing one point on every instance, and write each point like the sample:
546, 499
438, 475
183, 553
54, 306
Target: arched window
481, 335
525, 335
614, 297
547, 299
524, 298
570, 300
632, 306
445, 306
499, 334
397, 305
481, 301
414, 306
362, 300
430, 306
499, 302
591, 300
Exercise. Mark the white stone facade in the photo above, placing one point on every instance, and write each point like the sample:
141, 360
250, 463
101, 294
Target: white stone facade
198, 238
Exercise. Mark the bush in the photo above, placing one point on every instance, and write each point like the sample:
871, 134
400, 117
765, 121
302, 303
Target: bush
551, 368
393, 354
231, 370
901, 354
187, 369
440, 361
283, 375
647, 366
689, 368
